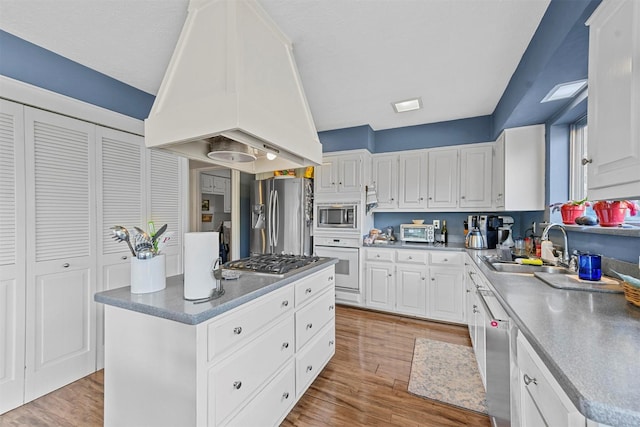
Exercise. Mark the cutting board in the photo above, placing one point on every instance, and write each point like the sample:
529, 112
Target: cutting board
572, 281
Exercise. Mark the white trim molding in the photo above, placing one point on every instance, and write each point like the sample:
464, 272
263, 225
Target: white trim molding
25, 93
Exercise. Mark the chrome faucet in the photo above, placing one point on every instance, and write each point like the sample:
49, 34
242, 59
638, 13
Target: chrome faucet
565, 253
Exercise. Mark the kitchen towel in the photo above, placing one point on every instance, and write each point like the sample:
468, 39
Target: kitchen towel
201, 250
372, 198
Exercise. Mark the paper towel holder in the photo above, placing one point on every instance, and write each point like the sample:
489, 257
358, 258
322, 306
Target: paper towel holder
218, 291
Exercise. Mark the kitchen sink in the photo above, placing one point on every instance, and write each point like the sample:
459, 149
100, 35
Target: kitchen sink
500, 266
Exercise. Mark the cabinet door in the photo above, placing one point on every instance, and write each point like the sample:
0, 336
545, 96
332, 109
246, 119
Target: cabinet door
380, 286
350, 173
413, 181
218, 185
446, 294
60, 343
227, 196
385, 180
411, 287
497, 189
443, 179
12, 255
475, 177
165, 202
206, 184
326, 176
614, 101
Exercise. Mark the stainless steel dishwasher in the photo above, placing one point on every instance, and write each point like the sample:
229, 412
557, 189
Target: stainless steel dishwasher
497, 355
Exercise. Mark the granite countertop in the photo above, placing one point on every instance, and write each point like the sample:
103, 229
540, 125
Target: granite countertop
170, 303
589, 341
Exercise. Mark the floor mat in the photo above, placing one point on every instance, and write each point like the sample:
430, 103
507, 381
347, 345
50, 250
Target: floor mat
447, 373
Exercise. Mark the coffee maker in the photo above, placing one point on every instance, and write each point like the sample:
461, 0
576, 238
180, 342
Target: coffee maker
488, 225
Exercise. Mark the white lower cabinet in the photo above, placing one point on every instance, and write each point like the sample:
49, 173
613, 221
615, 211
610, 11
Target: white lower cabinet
246, 367
428, 284
543, 402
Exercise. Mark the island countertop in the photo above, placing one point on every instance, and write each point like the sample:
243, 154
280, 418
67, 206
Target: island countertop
170, 303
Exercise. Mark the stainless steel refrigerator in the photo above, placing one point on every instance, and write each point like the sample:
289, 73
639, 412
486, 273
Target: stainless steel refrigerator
282, 216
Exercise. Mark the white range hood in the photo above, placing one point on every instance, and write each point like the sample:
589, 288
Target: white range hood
233, 77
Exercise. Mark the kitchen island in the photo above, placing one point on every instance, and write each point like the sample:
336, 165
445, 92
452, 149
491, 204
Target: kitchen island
242, 359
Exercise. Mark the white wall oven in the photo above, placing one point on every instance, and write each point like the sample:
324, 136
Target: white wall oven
343, 216
348, 253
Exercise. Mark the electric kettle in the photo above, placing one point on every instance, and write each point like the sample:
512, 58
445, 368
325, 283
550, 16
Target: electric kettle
474, 239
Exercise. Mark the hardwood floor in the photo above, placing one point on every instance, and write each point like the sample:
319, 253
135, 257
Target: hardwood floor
365, 384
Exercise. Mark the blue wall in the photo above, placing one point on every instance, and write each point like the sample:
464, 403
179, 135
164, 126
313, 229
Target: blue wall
32, 64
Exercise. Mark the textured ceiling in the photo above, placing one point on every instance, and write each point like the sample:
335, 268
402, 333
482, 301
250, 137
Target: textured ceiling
355, 56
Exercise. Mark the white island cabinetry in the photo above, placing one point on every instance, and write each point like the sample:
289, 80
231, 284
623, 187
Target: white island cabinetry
247, 366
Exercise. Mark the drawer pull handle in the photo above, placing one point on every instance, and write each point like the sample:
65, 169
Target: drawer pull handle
237, 385
330, 307
285, 395
237, 330
285, 303
309, 325
309, 368
378, 256
307, 291
330, 343
446, 260
528, 380
433, 279
123, 257
285, 345
410, 257
66, 265
330, 278
475, 310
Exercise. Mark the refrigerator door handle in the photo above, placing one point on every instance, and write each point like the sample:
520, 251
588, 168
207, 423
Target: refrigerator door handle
270, 223
276, 215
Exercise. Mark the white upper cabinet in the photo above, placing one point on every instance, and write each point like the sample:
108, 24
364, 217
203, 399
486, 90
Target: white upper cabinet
342, 176
614, 101
385, 179
475, 176
413, 181
519, 153
443, 179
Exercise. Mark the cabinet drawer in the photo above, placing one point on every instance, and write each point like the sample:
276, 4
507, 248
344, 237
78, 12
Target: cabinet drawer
313, 317
271, 405
312, 286
238, 377
446, 258
412, 257
380, 255
242, 324
314, 358
552, 403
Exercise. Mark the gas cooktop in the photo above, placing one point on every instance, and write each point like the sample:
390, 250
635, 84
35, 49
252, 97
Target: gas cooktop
271, 263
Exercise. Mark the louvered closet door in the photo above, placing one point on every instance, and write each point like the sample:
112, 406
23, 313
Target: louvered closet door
121, 201
12, 256
61, 220
166, 201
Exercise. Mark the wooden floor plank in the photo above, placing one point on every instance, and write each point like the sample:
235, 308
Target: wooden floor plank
365, 384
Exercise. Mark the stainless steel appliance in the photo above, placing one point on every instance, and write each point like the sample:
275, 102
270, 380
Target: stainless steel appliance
277, 264
346, 249
497, 332
423, 233
342, 216
281, 216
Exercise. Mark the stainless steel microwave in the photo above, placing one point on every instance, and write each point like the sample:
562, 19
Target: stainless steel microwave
337, 216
